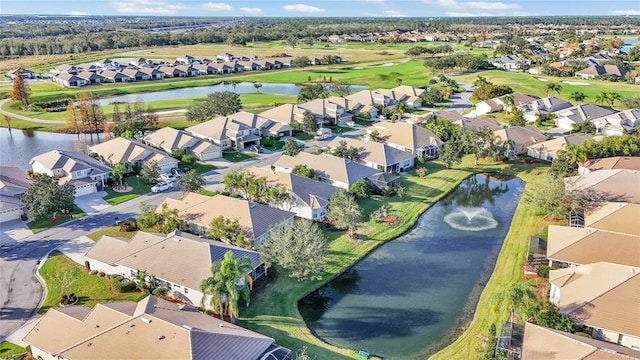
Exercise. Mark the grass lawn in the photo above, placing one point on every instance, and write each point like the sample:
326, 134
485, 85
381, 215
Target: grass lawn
140, 187
110, 231
274, 312
302, 136
41, 224
237, 156
529, 84
8, 349
201, 167
271, 144
90, 289
336, 129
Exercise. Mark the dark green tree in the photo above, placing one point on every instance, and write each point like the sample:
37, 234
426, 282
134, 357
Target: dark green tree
304, 171
46, 196
343, 210
291, 147
191, 181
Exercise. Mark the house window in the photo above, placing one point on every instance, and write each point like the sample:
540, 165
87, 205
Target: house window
186, 291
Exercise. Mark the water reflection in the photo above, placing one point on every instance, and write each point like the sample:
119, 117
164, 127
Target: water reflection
476, 190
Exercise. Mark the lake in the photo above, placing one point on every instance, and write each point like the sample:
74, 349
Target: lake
200, 91
628, 44
18, 147
406, 299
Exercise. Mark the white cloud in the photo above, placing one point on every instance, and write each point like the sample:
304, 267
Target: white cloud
217, 6
152, 7
302, 8
249, 10
394, 13
76, 13
625, 12
479, 5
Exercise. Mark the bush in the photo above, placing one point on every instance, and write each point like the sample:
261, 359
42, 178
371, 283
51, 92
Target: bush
87, 265
160, 291
124, 286
361, 189
543, 271
94, 272
101, 273
490, 91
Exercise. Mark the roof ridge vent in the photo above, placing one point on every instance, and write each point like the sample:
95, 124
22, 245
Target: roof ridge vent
146, 320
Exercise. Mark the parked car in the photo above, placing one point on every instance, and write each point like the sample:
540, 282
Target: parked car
168, 177
177, 172
162, 186
256, 149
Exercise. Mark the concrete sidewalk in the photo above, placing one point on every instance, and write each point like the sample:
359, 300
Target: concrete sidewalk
76, 249
19, 334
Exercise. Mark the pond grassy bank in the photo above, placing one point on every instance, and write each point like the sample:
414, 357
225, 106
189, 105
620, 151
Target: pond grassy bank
274, 312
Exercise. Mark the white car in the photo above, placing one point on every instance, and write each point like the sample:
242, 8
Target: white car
168, 177
161, 187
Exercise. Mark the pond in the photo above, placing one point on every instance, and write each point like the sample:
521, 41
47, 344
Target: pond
628, 44
406, 299
18, 147
200, 91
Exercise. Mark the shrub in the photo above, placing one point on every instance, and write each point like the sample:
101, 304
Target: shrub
94, 272
101, 273
124, 286
160, 291
543, 270
87, 265
361, 189
490, 91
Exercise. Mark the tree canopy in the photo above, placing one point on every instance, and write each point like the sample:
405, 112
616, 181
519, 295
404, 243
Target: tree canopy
20, 91
191, 181
312, 92
217, 103
343, 210
304, 171
291, 147
46, 196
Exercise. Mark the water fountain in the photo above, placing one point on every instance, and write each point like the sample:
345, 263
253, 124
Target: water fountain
471, 219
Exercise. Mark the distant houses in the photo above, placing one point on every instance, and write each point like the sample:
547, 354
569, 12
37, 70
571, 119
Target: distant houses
131, 152
13, 183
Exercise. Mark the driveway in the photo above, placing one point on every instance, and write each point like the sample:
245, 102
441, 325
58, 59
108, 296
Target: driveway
13, 231
76, 249
92, 203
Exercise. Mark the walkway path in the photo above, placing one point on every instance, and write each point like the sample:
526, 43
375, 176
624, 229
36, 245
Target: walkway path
26, 118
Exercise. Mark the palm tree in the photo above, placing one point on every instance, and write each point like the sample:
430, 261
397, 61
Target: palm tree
234, 83
601, 98
613, 97
480, 81
508, 103
576, 153
400, 109
257, 85
519, 298
553, 87
398, 81
230, 282
578, 97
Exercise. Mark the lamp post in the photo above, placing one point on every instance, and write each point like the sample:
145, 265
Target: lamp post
138, 180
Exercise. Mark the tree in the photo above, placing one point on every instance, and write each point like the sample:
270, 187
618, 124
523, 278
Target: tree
238, 180
257, 85
351, 153
299, 248
601, 98
217, 103
553, 88
341, 89
188, 161
344, 211
301, 62
509, 103
375, 136
431, 97
612, 97
309, 123
401, 191
552, 199
481, 80
292, 41
291, 147
309, 41
400, 109
311, 92
398, 81
518, 118
72, 117
150, 171
631, 102
46, 196
443, 128
191, 181
229, 231
520, 298
453, 150
164, 220
578, 96
118, 171
304, 171
556, 320
7, 120
90, 112
20, 91
490, 91
360, 188
233, 83
116, 117
150, 119
229, 284
421, 172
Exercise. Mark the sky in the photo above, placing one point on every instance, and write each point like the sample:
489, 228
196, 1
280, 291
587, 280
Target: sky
325, 8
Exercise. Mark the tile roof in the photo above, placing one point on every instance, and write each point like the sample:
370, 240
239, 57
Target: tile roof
609, 185
327, 166
309, 191
405, 134
584, 112
521, 134
616, 217
121, 150
601, 295
70, 161
559, 143
13, 181
377, 153
616, 162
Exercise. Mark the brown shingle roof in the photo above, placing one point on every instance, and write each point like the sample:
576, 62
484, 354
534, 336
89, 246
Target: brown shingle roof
377, 153
616, 162
609, 185
404, 134
616, 217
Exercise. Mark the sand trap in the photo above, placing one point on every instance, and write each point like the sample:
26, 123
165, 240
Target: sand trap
575, 82
358, 68
387, 64
541, 79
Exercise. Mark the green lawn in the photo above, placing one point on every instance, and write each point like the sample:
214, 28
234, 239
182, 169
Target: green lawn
41, 224
235, 156
140, 187
302, 136
110, 231
274, 311
90, 289
271, 144
201, 167
8, 349
529, 84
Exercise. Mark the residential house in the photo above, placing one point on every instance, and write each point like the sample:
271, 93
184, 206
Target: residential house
461, 121
309, 198
548, 150
543, 343
13, 183
379, 156
206, 69
169, 139
602, 297
153, 72
191, 258
153, 328
124, 151
410, 95
226, 133
91, 77
520, 138
24, 73
266, 127
580, 114
608, 185
609, 71
610, 163
65, 68
330, 169
68, 80
618, 123
187, 70
257, 220
226, 57
286, 114
509, 63
326, 112
497, 104
223, 68
172, 72
86, 174
136, 75
355, 107
545, 105
408, 137
116, 76
372, 98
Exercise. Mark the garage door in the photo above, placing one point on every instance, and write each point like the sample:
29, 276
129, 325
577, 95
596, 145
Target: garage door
12, 214
85, 189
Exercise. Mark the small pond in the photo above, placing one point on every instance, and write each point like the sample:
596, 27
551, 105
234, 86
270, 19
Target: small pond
406, 299
18, 147
200, 91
